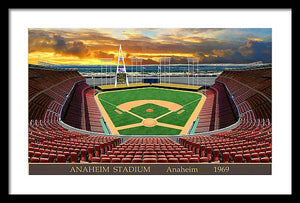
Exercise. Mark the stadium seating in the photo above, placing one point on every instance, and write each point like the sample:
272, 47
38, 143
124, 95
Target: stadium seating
224, 115
75, 113
252, 91
92, 113
64, 145
83, 112
217, 111
48, 90
252, 138
207, 115
248, 142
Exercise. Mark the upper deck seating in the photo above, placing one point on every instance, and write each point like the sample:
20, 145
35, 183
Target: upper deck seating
48, 90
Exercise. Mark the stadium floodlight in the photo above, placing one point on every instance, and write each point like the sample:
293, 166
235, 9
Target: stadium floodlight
164, 62
192, 63
105, 65
137, 64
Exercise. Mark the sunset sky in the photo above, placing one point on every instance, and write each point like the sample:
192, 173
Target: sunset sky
88, 46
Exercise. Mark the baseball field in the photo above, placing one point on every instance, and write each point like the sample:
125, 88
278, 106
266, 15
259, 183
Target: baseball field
149, 111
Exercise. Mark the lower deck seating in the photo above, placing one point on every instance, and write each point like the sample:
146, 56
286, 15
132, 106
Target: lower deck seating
50, 142
148, 150
250, 141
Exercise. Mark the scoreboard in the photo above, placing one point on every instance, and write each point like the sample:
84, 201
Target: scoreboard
121, 77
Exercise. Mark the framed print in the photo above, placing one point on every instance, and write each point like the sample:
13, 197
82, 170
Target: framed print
174, 98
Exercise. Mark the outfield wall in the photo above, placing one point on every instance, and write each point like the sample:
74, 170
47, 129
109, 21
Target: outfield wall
200, 81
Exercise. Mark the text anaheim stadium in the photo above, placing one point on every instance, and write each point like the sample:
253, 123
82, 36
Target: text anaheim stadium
128, 169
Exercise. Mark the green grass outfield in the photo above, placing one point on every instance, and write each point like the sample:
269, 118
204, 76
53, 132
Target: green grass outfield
110, 100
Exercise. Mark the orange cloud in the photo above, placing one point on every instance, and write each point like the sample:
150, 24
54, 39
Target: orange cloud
88, 46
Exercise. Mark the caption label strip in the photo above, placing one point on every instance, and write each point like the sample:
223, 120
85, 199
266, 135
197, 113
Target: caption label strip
150, 169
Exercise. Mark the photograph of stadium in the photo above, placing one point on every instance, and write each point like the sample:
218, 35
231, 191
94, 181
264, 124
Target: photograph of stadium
143, 97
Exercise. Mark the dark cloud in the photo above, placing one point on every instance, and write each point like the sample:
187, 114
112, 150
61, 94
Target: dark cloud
250, 52
257, 51
73, 48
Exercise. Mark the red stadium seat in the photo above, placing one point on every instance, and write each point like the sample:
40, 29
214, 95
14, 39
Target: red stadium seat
173, 160
202, 150
97, 150
254, 155
183, 160
115, 160
73, 157
247, 157
44, 160
90, 152
255, 160
34, 160
137, 160
262, 154
52, 157
45, 155
105, 160
203, 159
95, 159
162, 160
194, 160
37, 154
208, 153
149, 160
232, 154
83, 155
238, 158
216, 155
225, 158
269, 153
61, 158
126, 160
30, 153
265, 160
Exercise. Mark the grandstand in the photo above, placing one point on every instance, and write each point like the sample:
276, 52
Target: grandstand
66, 125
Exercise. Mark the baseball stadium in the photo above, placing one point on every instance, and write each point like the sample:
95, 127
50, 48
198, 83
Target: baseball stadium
163, 113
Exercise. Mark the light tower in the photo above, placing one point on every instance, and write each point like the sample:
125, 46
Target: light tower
192, 64
137, 64
164, 63
121, 75
105, 67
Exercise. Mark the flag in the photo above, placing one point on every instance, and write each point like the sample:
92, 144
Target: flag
121, 70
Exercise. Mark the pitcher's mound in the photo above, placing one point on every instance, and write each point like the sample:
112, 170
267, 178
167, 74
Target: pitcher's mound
149, 122
149, 110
